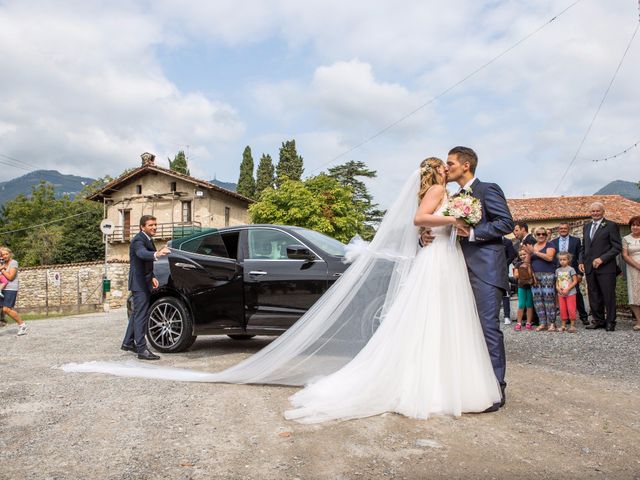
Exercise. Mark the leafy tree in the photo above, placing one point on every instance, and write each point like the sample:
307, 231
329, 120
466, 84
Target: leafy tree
347, 175
81, 239
290, 164
179, 163
246, 182
319, 203
265, 175
36, 241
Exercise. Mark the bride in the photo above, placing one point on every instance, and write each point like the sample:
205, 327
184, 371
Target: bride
399, 332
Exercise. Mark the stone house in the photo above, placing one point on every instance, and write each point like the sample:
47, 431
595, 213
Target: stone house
182, 205
548, 212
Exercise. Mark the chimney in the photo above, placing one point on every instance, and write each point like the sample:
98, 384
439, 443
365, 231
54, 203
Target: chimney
147, 158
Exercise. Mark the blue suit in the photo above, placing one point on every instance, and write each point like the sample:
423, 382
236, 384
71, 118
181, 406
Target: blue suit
141, 257
487, 267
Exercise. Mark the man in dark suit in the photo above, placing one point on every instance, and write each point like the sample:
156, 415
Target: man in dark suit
523, 237
570, 244
600, 247
142, 254
484, 253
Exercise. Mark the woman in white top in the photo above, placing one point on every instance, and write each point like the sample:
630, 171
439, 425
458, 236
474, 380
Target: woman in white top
10, 271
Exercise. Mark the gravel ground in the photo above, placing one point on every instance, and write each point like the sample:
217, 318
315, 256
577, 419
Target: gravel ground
573, 411
607, 355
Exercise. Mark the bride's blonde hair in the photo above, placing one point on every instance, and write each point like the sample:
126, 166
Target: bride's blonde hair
429, 175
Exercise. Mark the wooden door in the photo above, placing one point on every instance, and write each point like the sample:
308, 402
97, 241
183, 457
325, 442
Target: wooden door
126, 224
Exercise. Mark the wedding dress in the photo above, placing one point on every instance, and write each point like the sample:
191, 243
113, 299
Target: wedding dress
427, 357
399, 332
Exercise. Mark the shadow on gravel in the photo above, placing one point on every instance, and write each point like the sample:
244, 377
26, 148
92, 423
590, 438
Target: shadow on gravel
217, 345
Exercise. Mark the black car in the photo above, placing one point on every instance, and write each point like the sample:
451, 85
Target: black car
239, 281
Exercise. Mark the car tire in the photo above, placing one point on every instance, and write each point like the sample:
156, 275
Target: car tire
170, 326
240, 336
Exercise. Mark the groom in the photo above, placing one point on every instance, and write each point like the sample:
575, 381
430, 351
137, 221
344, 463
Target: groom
484, 253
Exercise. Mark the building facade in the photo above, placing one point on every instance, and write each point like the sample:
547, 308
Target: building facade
181, 204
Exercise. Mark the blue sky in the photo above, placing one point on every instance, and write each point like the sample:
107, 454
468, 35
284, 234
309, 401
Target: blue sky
87, 86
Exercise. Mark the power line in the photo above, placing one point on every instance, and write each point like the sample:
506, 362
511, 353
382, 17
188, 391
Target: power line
595, 115
17, 163
44, 224
610, 157
447, 90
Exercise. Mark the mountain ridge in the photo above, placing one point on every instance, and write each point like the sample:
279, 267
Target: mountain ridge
62, 184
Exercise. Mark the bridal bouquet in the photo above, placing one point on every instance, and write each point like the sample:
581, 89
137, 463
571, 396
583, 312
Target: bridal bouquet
466, 207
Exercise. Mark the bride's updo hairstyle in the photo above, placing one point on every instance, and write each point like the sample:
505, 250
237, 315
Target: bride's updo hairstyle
429, 175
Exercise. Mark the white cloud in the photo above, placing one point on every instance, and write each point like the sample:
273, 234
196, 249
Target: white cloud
81, 84
86, 81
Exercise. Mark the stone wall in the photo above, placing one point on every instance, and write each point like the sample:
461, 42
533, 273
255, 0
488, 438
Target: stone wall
71, 288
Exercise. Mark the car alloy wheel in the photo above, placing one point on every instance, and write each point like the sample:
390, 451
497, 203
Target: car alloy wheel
169, 327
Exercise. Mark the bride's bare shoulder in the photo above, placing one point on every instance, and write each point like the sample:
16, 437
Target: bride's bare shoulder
435, 191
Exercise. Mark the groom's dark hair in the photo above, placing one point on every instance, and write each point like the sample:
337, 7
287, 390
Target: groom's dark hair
466, 154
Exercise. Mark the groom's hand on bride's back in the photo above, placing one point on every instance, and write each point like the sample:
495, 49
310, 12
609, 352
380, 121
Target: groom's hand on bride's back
426, 237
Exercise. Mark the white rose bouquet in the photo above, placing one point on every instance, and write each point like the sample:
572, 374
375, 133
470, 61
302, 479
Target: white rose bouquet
465, 207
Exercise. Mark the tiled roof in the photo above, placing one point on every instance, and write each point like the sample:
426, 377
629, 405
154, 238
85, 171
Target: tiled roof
114, 185
616, 208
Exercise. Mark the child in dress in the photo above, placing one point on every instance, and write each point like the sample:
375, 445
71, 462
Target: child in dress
524, 275
566, 281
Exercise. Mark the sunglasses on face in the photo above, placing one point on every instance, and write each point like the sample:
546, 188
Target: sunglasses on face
541, 234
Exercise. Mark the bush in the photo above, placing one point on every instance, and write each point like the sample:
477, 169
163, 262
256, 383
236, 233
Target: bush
622, 297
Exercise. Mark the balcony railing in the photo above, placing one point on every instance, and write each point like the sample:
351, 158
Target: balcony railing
165, 231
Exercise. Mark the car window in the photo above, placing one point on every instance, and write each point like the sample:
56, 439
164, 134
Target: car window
328, 244
230, 240
269, 244
211, 244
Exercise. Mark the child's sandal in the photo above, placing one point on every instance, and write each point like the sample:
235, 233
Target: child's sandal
552, 328
541, 328
572, 330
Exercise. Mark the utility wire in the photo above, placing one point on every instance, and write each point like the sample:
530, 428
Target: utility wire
447, 90
595, 115
46, 223
8, 160
626, 150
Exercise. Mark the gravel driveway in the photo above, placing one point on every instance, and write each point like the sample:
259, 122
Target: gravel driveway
573, 411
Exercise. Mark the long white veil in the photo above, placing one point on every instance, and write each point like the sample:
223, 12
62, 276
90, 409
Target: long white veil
338, 325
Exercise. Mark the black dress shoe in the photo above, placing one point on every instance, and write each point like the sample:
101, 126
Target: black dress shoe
127, 348
594, 326
584, 320
610, 328
147, 355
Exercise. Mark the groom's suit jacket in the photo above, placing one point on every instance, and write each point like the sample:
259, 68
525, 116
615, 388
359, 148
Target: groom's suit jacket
485, 256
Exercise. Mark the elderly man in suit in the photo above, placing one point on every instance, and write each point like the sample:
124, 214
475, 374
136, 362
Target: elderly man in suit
142, 254
600, 247
570, 244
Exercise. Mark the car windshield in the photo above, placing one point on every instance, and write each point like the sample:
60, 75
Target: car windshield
328, 244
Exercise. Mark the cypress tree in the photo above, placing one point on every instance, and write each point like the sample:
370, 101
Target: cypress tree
290, 163
265, 174
246, 182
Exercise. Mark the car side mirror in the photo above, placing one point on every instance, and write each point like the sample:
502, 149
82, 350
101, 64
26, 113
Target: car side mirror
299, 252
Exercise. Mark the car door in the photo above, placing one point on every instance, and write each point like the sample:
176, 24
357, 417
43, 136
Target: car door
278, 290
203, 272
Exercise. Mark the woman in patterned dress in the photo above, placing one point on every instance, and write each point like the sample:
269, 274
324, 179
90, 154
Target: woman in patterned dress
631, 255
